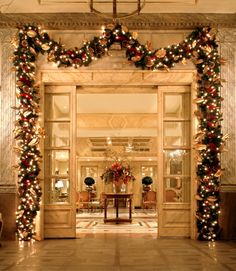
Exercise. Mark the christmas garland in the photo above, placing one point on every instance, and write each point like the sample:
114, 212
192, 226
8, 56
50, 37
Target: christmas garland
200, 46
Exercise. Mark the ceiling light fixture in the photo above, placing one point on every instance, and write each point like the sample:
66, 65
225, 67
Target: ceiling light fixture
115, 15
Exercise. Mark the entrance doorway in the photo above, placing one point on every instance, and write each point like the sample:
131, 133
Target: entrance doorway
152, 134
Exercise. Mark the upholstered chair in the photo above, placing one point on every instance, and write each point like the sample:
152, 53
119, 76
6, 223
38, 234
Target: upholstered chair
150, 200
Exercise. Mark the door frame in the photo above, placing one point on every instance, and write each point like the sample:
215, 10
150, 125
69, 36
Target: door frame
116, 78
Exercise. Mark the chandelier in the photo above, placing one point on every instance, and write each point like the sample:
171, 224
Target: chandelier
115, 15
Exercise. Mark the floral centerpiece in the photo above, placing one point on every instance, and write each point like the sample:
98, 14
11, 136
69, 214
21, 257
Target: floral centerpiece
118, 174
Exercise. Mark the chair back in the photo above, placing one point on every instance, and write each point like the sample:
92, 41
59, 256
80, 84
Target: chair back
170, 195
150, 196
83, 196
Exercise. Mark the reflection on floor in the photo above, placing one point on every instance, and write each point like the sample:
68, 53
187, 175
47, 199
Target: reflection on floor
143, 221
118, 252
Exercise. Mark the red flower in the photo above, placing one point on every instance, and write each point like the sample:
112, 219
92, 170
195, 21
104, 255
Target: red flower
118, 172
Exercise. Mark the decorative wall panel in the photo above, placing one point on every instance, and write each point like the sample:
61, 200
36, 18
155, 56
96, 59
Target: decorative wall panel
117, 121
7, 113
57, 222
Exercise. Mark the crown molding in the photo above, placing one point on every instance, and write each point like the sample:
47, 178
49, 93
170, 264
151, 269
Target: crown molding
90, 21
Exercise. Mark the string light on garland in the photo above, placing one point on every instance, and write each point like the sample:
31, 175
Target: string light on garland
27, 134
200, 46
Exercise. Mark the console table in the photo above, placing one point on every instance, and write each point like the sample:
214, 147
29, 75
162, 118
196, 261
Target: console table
117, 197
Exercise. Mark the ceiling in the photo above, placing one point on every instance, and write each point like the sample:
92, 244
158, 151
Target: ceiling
123, 6
117, 103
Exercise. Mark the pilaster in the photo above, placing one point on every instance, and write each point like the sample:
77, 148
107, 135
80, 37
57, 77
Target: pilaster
8, 197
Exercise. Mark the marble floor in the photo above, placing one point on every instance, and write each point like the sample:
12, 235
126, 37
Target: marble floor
118, 252
143, 221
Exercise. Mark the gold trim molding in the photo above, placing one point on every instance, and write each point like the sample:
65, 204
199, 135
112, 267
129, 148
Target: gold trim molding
90, 21
8, 189
228, 188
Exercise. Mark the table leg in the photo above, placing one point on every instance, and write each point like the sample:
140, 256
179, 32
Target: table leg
105, 209
130, 208
117, 209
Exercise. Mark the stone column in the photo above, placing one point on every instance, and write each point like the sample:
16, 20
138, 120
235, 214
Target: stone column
227, 41
8, 175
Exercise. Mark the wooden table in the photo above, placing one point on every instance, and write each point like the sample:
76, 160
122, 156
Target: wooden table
116, 197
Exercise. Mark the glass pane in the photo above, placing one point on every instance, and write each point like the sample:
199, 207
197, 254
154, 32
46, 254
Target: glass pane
57, 107
177, 106
57, 163
177, 189
176, 134
57, 190
176, 162
57, 134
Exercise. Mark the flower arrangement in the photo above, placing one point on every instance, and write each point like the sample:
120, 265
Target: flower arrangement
118, 173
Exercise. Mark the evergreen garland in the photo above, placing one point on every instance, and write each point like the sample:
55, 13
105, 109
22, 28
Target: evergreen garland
200, 46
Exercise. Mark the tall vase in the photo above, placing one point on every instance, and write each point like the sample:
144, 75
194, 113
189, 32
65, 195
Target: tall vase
118, 186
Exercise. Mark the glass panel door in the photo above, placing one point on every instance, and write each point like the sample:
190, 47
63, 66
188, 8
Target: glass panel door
177, 131
57, 148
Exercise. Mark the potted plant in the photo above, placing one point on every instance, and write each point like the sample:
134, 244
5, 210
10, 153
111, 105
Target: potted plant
89, 181
146, 181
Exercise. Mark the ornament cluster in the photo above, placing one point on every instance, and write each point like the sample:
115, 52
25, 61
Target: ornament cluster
200, 46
